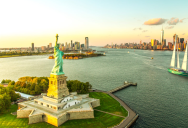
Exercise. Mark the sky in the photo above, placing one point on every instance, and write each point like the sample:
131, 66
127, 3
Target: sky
102, 21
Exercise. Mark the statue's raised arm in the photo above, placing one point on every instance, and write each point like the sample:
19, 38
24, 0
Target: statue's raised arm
57, 69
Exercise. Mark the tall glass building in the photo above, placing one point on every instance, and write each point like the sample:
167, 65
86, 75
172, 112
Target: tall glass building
162, 36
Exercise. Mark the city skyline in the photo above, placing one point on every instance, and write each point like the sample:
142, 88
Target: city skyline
104, 22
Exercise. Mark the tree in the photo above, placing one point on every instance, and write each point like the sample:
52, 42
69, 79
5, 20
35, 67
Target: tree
28, 86
74, 87
35, 80
37, 89
23, 85
32, 87
7, 100
11, 83
2, 104
13, 95
32, 92
3, 81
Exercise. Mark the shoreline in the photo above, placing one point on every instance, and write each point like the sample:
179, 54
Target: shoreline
21, 56
132, 116
145, 49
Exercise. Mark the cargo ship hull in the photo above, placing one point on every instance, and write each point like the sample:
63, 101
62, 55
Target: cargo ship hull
181, 73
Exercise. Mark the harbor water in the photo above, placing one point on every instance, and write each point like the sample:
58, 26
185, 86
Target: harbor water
160, 98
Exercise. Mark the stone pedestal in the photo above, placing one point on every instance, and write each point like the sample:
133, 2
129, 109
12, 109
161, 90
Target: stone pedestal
57, 86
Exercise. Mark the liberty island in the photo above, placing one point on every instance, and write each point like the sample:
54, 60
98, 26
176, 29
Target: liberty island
58, 105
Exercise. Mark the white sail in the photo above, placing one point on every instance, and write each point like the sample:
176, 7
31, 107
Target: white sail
178, 63
184, 64
173, 56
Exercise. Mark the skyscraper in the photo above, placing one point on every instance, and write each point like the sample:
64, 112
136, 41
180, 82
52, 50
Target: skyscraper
50, 45
86, 43
181, 40
71, 44
162, 36
66, 45
164, 42
32, 46
177, 39
152, 42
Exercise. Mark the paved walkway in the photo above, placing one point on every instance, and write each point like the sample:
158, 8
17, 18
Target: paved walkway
131, 113
110, 113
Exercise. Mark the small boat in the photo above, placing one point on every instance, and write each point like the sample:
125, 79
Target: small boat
128, 51
177, 70
151, 57
51, 57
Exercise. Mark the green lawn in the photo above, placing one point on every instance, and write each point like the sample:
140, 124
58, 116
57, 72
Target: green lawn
101, 119
108, 104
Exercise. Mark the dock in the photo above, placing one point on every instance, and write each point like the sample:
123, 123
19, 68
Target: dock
126, 84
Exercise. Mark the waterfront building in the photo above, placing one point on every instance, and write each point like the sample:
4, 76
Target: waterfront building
86, 43
50, 45
152, 42
180, 46
181, 40
162, 36
164, 43
71, 44
58, 105
66, 45
32, 46
169, 45
177, 39
82, 46
43, 48
78, 46
155, 42
158, 47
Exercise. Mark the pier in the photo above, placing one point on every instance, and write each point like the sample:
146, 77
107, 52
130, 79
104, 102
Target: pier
126, 84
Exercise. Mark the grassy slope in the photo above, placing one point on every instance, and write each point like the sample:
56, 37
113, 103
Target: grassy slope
101, 120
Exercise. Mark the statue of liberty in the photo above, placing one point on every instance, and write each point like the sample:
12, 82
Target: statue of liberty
57, 69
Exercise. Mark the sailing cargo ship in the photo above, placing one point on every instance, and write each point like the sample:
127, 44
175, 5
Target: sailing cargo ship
177, 70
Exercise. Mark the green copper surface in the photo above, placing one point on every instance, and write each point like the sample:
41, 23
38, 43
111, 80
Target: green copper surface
58, 67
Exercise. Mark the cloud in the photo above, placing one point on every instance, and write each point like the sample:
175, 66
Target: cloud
169, 27
155, 21
140, 28
182, 20
147, 36
173, 21
144, 30
183, 34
